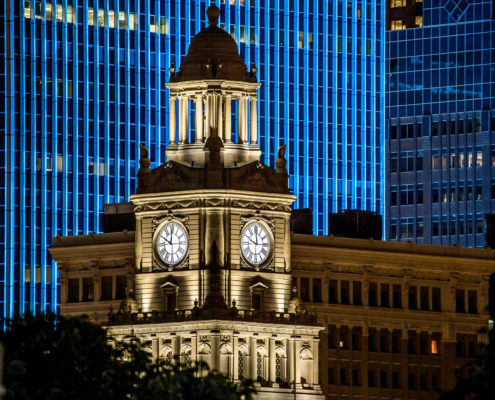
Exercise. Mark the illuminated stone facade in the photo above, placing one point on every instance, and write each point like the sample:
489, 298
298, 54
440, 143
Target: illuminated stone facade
206, 274
399, 317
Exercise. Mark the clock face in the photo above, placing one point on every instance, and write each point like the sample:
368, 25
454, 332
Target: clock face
172, 243
255, 243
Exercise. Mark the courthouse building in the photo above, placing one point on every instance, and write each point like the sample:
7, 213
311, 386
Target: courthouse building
207, 267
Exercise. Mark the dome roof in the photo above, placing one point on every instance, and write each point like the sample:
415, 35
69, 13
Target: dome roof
213, 54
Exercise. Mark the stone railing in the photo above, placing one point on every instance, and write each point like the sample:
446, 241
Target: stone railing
198, 314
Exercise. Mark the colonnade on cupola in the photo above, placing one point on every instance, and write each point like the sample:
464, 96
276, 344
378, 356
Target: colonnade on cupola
209, 106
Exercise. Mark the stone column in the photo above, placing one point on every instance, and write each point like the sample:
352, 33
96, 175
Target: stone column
245, 119
316, 360
228, 118
220, 117
254, 357
184, 116
172, 117
291, 361
254, 121
199, 118
272, 376
240, 120
235, 356
215, 351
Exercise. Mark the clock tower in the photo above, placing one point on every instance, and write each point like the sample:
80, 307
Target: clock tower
211, 274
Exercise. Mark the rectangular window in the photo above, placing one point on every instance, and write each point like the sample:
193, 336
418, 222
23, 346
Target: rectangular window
91, 16
419, 227
434, 347
304, 292
397, 296
384, 295
419, 193
395, 380
413, 302
393, 132
356, 293
122, 22
424, 298
73, 290
121, 287
397, 3
331, 376
397, 24
356, 381
356, 339
371, 378
436, 299
459, 301
332, 337
393, 162
344, 292
462, 161
372, 295
396, 342
472, 302
106, 288
101, 17
393, 195
419, 161
164, 26
332, 291
435, 162
316, 290
434, 129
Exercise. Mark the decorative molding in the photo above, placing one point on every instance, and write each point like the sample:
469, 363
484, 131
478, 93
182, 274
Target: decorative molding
256, 218
184, 220
172, 205
158, 266
214, 202
254, 205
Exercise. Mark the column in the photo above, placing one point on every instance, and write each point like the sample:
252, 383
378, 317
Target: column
215, 350
244, 119
253, 360
272, 377
228, 118
316, 360
172, 117
235, 355
186, 121
254, 121
240, 119
291, 362
220, 117
199, 118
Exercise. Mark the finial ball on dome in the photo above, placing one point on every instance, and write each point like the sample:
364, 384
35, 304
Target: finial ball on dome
213, 12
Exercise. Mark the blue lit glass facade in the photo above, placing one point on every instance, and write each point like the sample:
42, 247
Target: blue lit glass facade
441, 124
82, 84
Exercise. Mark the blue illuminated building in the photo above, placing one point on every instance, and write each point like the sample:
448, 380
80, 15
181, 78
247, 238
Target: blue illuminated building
82, 84
440, 121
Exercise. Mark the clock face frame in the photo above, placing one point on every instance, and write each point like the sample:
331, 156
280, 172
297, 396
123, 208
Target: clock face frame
171, 243
256, 243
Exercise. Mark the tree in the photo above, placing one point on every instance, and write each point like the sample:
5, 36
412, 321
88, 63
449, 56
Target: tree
48, 356
476, 380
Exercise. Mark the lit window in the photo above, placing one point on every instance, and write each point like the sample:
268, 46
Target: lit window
358, 11
252, 35
27, 9
397, 3
91, 16
397, 24
434, 347
341, 344
310, 40
101, 17
122, 20
60, 12
71, 18
133, 22
419, 21
152, 24
300, 40
49, 12
479, 159
111, 19
164, 26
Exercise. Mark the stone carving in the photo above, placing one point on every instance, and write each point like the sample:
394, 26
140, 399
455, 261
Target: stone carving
250, 218
184, 220
166, 206
260, 206
144, 161
281, 162
157, 266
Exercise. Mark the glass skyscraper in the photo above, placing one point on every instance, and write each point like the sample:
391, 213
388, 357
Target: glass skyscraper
440, 120
83, 83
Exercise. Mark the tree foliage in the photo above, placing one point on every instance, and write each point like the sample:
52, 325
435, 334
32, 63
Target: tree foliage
51, 357
476, 380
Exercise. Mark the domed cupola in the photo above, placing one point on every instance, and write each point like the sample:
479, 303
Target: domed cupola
213, 54
211, 80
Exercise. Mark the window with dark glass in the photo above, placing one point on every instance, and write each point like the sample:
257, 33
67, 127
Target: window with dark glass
393, 132
384, 341
423, 382
343, 376
372, 295
435, 381
435, 228
88, 289
393, 162
411, 381
356, 339
371, 378
316, 290
356, 374
332, 337
460, 306
121, 286
356, 293
332, 291
424, 298
435, 193
384, 295
472, 302
412, 296
434, 129
393, 195
344, 338
436, 299
396, 342
73, 290
395, 380
423, 345
372, 340
305, 289
419, 227
106, 288
411, 343
419, 161
383, 379
344, 292
331, 376
396, 296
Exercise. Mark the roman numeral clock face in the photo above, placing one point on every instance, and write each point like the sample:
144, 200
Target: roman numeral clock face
172, 243
255, 243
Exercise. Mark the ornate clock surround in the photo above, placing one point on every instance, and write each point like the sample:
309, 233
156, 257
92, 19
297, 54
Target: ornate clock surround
157, 224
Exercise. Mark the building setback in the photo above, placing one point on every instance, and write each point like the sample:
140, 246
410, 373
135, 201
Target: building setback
83, 86
440, 121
